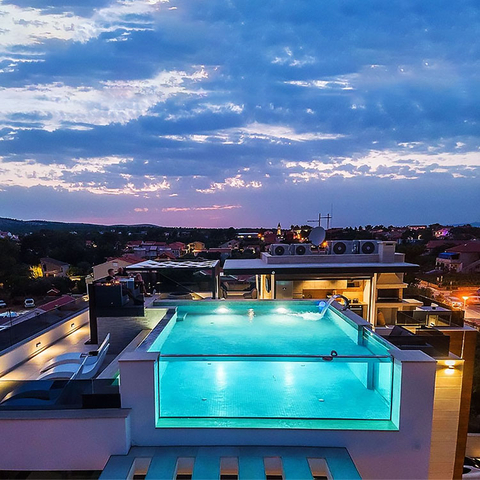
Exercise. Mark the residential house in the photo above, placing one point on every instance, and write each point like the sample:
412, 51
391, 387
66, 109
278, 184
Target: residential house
196, 247
177, 248
166, 255
231, 244
439, 243
269, 237
101, 270
442, 232
146, 248
368, 272
248, 235
463, 258
53, 268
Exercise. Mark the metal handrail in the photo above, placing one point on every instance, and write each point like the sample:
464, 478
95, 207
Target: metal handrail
266, 355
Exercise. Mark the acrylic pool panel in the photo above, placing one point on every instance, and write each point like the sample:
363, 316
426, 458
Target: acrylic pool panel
252, 360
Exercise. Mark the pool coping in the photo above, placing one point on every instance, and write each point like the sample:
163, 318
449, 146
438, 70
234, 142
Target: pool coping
277, 423
157, 330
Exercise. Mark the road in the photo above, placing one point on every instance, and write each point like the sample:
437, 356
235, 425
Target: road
472, 314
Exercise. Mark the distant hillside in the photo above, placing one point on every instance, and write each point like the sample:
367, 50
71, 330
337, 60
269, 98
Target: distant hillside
473, 224
19, 227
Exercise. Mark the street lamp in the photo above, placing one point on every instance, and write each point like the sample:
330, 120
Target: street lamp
465, 302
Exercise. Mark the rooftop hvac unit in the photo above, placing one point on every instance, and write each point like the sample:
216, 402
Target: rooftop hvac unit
302, 249
279, 249
367, 247
342, 247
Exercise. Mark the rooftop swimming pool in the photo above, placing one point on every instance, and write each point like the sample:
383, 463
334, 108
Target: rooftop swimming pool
272, 361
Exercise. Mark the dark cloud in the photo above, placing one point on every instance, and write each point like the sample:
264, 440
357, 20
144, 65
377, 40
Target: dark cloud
396, 79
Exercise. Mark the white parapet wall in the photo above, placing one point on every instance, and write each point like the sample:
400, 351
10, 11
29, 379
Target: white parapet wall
62, 439
402, 452
28, 348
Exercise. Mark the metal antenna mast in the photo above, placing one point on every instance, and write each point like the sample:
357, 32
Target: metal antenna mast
327, 217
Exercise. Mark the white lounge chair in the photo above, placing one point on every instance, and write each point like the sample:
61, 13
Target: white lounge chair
81, 371
34, 392
77, 357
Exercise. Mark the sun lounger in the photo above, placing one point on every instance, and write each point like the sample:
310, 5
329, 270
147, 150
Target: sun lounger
77, 357
81, 371
38, 392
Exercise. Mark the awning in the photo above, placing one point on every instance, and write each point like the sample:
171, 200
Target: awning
171, 264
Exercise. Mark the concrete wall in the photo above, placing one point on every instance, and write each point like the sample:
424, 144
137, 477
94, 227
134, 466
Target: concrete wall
386, 257
30, 347
377, 454
463, 342
473, 445
446, 414
62, 439
123, 329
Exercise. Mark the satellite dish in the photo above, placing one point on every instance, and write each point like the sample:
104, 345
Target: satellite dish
317, 235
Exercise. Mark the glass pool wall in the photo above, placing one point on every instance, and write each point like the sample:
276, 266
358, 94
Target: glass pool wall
271, 361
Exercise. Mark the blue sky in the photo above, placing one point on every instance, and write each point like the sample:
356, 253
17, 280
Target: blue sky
240, 113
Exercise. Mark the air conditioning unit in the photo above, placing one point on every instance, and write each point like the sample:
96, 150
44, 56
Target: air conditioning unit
302, 249
279, 249
367, 247
342, 247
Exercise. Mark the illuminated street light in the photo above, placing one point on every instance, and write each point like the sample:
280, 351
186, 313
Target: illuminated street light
465, 302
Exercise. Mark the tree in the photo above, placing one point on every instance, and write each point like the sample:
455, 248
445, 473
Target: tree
12, 271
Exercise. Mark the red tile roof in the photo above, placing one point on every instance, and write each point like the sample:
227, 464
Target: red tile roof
446, 241
167, 254
176, 245
58, 302
134, 242
128, 257
469, 247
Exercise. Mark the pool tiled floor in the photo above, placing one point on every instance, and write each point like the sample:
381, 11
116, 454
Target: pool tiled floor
267, 389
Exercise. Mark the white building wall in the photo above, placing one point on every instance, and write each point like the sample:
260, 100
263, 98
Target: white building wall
402, 454
62, 439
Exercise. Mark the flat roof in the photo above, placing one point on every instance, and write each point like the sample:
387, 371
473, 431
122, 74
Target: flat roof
257, 265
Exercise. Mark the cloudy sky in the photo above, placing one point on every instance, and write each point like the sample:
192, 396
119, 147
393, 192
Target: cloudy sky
240, 112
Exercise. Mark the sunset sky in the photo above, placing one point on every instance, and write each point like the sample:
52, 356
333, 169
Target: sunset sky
240, 113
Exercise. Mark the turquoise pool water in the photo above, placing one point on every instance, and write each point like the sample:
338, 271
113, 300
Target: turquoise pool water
273, 360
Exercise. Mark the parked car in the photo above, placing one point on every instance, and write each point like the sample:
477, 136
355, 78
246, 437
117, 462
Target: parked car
471, 468
474, 300
455, 302
2, 304
29, 303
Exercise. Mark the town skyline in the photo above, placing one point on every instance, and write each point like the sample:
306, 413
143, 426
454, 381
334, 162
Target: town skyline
312, 223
